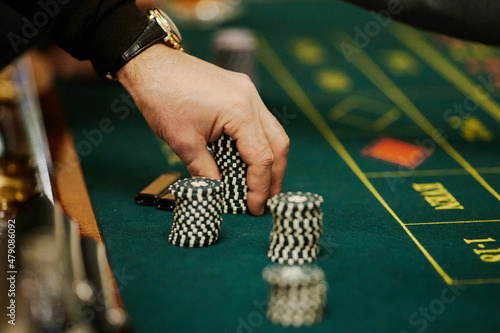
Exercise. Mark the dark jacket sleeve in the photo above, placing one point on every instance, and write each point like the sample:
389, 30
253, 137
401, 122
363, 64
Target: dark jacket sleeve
466, 19
97, 30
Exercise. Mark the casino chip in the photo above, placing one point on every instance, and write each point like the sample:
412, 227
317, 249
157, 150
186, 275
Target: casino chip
197, 212
297, 294
297, 227
233, 172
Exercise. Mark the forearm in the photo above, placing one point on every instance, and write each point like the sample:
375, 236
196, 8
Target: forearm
472, 20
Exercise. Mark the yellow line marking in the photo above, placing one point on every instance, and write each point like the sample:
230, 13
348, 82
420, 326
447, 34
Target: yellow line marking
476, 281
344, 112
414, 41
280, 73
373, 72
426, 173
453, 222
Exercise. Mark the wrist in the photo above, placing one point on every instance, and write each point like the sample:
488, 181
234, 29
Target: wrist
145, 66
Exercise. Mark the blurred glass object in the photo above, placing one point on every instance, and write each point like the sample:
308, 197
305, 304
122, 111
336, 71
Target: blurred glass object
202, 12
17, 179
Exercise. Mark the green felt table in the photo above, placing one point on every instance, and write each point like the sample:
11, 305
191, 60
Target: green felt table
404, 249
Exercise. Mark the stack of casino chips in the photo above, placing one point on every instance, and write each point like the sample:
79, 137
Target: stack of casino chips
235, 49
233, 173
197, 212
297, 227
297, 294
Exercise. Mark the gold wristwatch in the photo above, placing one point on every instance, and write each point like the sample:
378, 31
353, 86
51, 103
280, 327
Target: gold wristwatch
160, 27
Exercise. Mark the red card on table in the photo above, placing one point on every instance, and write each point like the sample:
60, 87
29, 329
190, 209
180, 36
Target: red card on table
397, 152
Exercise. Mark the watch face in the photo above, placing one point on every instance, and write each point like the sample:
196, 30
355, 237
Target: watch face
171, 25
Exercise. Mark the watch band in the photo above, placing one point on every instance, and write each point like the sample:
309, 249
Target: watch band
152, 34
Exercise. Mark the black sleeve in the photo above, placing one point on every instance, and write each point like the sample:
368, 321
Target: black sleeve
466, 19
97, 30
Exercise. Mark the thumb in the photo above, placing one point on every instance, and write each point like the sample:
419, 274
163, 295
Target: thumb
198, 159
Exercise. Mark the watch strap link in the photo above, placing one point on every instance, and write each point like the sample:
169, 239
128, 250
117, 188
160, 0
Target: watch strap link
152, 34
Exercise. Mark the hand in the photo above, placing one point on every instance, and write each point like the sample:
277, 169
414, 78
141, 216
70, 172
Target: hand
189, 102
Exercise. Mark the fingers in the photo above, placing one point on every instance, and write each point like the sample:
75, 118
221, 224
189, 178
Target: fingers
279, 144
255, 151
263, 145
195, 155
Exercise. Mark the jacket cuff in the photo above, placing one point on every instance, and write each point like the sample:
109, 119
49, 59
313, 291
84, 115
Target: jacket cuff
114, 35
